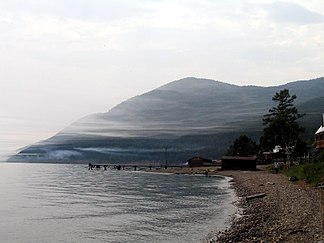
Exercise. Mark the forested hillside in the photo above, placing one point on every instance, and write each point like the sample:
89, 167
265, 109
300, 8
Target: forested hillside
188, 117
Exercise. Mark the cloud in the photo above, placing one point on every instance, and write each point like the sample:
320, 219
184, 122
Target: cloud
64, 59
288, 12
100, 10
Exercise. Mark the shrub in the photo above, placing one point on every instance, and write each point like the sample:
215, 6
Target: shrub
312, 173
319, 158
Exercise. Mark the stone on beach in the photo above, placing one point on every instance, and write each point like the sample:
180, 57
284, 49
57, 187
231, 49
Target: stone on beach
289, 213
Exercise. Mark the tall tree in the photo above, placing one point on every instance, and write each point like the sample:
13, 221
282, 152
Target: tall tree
242, 146
281, 126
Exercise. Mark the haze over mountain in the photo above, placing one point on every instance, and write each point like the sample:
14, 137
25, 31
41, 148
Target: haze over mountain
188, 117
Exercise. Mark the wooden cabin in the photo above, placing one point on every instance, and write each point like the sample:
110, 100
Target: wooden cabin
239, 163
319, 137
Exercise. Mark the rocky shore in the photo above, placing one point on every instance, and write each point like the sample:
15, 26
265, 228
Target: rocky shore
286, 211
289, 211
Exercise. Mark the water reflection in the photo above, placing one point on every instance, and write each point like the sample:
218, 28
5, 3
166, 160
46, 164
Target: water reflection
69, 203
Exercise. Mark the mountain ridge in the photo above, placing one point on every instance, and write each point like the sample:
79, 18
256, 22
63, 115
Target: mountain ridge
179, 114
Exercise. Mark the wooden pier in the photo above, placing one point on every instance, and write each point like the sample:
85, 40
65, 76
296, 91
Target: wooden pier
130, 166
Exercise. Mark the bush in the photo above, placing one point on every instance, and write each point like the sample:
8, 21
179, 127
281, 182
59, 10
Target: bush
312, 173
296, 170
319, 158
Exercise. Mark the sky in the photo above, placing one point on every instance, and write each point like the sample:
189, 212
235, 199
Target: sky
61, 60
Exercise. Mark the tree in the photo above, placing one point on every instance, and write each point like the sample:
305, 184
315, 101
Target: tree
281, 126
242, 146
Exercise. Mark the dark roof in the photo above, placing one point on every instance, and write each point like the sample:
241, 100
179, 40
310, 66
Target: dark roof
197, 158
239, 158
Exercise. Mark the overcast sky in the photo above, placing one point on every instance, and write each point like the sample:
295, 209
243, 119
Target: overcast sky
63, 59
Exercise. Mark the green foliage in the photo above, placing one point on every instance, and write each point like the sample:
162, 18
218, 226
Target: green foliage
296, 170
319, 158
242, 146
300, 149
281, 126
312, 173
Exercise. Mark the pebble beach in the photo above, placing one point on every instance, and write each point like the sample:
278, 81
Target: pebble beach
286, 212
289, 211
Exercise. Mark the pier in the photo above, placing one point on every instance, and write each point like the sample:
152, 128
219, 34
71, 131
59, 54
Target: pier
130, 166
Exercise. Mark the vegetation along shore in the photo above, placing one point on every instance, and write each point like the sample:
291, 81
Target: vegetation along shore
276, 207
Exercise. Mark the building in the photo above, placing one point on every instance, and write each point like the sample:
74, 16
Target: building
319, 137
277, 154
199, 161
239, 163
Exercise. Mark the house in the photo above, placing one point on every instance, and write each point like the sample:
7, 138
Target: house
239, 163
199, 161
276, 154
319, 137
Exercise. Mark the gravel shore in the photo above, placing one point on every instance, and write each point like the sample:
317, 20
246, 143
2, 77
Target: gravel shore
290, 211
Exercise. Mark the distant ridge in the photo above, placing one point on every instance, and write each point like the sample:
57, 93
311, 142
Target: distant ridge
190, 116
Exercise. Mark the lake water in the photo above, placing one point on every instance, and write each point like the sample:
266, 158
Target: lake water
69, 203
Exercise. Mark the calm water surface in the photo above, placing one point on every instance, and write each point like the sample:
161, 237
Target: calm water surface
69, 203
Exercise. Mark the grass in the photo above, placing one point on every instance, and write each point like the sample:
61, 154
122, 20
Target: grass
312, 173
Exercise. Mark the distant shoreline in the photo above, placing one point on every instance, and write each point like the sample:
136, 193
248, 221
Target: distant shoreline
289, 212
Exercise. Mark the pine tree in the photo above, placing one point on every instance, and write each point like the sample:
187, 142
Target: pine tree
243, 146
281, 126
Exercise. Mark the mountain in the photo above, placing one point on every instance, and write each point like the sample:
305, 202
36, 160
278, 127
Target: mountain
313, 109
184, 118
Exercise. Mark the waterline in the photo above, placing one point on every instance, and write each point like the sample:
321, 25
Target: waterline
68, 203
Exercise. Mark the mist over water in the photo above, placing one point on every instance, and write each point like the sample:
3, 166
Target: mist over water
190, 116
16, 134
69, 203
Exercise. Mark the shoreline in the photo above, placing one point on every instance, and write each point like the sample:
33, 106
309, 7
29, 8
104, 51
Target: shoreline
289, 211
